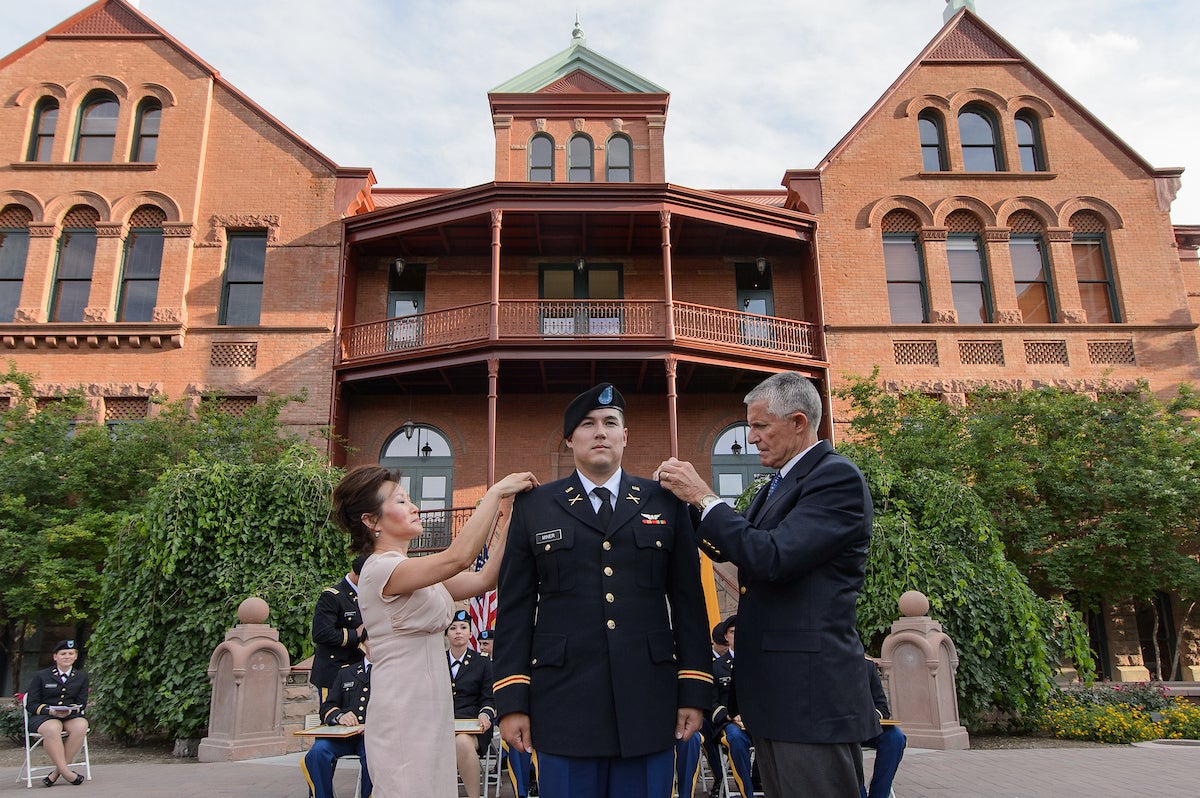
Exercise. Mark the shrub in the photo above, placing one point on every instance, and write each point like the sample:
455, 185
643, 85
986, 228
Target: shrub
12, 725
1126, 713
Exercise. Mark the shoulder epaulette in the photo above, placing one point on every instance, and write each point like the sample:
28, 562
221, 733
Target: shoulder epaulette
332, 590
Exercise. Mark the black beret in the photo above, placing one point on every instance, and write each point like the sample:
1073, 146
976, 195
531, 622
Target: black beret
358, 563
64, 644
718, 634
603, 395
487, 634
461, 616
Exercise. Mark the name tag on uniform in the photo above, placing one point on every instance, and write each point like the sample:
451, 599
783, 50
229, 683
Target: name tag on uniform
346, 685
52, 685
548, 536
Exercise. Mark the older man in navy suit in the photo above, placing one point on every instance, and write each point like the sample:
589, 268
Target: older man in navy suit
801, 552
605, 661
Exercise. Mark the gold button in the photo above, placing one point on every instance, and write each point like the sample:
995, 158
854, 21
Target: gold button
743, 590
607, 545
609, 597
607, 571
658, 543
547, 547
612, 624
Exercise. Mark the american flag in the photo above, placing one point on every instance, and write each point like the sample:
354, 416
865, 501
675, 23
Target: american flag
482, 608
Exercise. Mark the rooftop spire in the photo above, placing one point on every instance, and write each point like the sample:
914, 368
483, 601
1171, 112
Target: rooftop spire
577, 36
953, 6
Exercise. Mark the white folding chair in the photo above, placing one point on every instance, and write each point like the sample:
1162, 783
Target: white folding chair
33, 740
489, 766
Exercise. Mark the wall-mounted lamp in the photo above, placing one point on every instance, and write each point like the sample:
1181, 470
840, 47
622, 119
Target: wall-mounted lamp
408, 429
761, 265
398, 266
736, 448
580, 265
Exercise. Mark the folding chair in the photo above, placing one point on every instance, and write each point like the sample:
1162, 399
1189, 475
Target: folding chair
33, 740
489, 766
314, 720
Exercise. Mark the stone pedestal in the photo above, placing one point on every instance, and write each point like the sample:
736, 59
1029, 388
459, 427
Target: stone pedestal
247, 672
919, 660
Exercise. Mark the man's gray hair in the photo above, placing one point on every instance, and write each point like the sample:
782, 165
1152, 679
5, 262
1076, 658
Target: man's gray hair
788, 392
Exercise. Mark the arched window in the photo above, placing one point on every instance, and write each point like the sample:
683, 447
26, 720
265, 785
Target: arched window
425, 460
1031, 272
977, 130
619, 159
143, 262
968, 269
904, 268
14, 247
541, 159
579, 159
41, 138
145, 135
76, 258
97, 128
1029, 142
1093, 268
735, 462
933, 142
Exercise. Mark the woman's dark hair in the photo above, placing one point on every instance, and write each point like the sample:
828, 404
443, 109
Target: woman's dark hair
356, 494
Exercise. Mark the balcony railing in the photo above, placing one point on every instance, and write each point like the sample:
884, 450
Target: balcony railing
575, 320
438, 528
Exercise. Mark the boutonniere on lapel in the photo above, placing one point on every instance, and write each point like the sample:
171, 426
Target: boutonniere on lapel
652, 518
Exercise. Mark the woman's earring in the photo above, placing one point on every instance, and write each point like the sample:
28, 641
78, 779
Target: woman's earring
376, 533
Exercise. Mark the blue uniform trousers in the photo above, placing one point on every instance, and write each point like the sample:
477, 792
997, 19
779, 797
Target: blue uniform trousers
687, 764
517, 763
889, 749
646, 776
737, 742
319, 763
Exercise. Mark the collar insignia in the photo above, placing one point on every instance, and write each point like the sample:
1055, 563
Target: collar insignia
574, 499
632, 498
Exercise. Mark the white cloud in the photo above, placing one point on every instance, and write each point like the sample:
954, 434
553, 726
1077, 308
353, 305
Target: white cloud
757, 87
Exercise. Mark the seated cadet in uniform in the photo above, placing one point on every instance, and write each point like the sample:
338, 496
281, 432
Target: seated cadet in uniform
471, 681
725, 724
889, 745
337, 629
55, 701
345, 705
519, 764
485, 642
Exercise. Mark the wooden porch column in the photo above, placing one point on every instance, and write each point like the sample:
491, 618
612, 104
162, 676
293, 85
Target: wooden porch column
494, 321
664, 222
672, 410
493, 374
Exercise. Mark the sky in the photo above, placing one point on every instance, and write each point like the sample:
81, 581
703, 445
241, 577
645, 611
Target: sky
757, 86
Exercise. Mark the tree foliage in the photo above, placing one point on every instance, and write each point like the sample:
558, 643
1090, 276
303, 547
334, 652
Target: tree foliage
70, 484
211, 534
1092, 495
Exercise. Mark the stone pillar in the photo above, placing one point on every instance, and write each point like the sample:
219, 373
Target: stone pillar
247, 672
937, 276
919, 660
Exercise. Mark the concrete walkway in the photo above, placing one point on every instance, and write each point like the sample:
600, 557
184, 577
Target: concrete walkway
1116, 771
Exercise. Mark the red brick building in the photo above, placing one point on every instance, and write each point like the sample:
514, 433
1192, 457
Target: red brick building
162, 234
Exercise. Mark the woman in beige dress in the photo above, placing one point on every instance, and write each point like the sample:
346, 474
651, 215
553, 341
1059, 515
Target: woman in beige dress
406, 605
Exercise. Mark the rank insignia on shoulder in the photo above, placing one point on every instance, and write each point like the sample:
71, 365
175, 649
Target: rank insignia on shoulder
652, 518
548, 535
332, 590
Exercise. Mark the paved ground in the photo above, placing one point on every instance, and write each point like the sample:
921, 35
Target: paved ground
1116, 771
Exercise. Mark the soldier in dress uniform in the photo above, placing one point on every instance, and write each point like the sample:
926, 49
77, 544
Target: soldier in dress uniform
55, 701
724, 726
471, 681
337, 629
485, 642
605, 659
345, 705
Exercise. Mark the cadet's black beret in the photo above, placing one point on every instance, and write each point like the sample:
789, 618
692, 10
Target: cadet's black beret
64, 644
487, 634
461, 615
358, 563
603, 395
718, 634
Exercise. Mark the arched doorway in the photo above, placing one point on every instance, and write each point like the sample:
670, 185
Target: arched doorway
423, 456
735, 462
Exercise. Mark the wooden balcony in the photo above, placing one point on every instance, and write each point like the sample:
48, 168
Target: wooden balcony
544, 322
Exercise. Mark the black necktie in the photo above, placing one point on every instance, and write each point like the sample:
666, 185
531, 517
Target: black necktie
605, 511
454, 665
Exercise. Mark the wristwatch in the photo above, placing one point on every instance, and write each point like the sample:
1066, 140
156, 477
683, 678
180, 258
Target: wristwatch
707, 501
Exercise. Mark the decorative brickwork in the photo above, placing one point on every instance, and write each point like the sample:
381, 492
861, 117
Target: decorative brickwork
1046, 352
1087, 222
1026, 223
1116, 353
15, 216
969, 43
126, 408
147, 216
81, 216
111, 20
963, 222
232, 405
900, 221
234, 355
981, 353
915, 353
